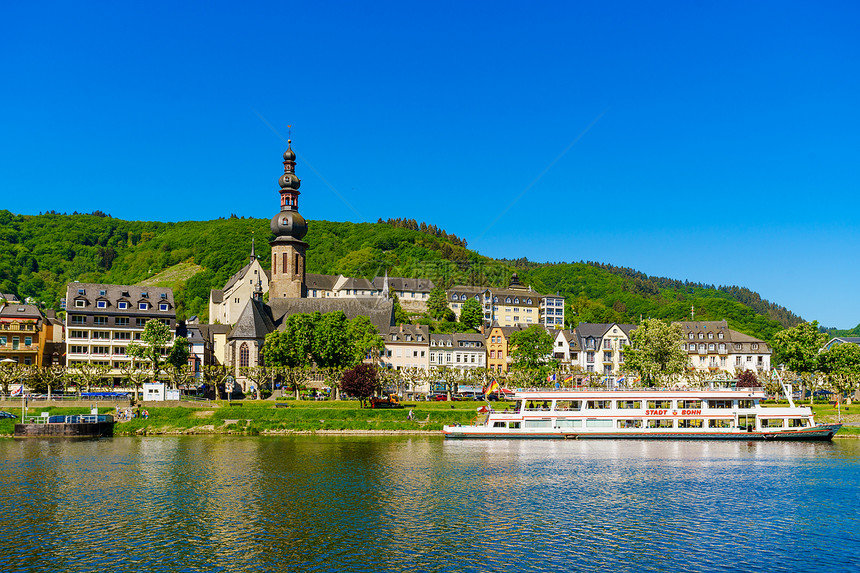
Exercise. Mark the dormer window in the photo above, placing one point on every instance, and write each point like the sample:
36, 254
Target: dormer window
101, 304
164, 294
454, 297
495, 299
701, 336
80, 303
691, 336
720, 336
102, 293
82, 291
143, 306
125, 293
710, 336
755, 346
122, 305
508, 300
144, 295
528, 301
163, 306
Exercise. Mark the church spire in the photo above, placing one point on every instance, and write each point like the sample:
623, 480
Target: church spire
253, 255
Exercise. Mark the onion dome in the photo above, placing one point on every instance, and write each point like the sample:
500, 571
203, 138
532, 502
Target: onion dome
289, 224
289, 154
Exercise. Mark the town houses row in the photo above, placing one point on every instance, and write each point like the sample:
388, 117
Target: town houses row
101, 320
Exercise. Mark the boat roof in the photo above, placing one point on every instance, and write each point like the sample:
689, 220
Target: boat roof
643, 393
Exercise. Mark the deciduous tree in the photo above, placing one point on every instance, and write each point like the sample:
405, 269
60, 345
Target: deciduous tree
472, 314
655, 352
531, 352
360, 381
153, 345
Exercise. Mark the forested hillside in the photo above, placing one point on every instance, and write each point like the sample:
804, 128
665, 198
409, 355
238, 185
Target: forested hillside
40, 254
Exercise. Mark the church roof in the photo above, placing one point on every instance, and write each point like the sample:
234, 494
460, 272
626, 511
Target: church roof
324, 282
216, 295
405, 284
236, 277
380, 311
254, 322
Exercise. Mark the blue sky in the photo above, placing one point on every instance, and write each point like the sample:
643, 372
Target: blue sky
709, 141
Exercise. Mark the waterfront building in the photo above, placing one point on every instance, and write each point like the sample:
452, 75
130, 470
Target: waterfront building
102, 320
26, 335
462, 351
497, 343
566, 350
602, 346
407, 346
840, 340
712, 347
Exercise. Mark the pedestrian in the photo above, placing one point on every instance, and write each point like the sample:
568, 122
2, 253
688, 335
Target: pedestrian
410, 415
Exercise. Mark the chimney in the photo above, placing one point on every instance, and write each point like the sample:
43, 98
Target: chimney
401, 327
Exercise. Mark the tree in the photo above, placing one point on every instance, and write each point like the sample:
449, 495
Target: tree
293, 346
400, 316
179, 352
364, 340
135, 375
655, 351
152, 346
531, 351
331, 344
747, 379
437, 304
472, 314
797, 348
841, 364
214, 375
90, 375
258, 375
360, 381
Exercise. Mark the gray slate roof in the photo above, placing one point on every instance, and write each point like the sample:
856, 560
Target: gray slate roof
380, 311
216, 295
323, 282
405, 284
255, 322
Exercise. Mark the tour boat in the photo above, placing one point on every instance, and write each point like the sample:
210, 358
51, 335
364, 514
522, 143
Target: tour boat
714, 413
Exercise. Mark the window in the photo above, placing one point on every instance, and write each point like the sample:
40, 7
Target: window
629, 404
755, 347
100, 335
101, 304
82, 291
689, 404
122, 336
119, 350
143, 306
628, 424
693, 423
77, 319
737, 360
710, 336
144, 295
661, 423
100, 320
122, 305
78, 349
691, 336
140, 322
80, 303
598, 404
720, 336
28, 340
589, 356
100, 350
720, 403
720, 423
659, 404
244, 355
162, 306
121, 321
711, 347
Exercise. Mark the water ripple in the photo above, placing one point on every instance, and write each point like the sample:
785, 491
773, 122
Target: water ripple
423, 504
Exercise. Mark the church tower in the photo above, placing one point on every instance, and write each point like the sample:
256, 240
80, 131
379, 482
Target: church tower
289, 227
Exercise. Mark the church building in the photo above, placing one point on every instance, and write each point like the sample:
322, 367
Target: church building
287, 286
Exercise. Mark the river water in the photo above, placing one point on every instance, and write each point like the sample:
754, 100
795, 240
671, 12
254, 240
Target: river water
373, 503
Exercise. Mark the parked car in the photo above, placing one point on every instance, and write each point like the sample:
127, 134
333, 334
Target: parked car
440, 397
7, 415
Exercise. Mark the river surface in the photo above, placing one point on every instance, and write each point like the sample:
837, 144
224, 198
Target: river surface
374, 503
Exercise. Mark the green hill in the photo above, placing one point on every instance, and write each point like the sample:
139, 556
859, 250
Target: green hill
40, 254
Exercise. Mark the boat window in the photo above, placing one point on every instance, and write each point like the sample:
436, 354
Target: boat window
771, 423
563, 423
624, 424
498, 424
720, 403
593, 423
720, 423
797, 423
568, 405
598, 404
691, 423
746, 403
659, 404
537, 406
514, 425
538, 423
689, 403
661, 423
629, 404
518, 406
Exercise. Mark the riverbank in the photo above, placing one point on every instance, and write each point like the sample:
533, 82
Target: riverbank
304, 417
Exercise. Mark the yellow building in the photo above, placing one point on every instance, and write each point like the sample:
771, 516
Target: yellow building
24, 332
498, 358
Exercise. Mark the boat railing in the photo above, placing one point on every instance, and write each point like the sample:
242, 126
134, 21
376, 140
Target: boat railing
643, 389
69, 419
